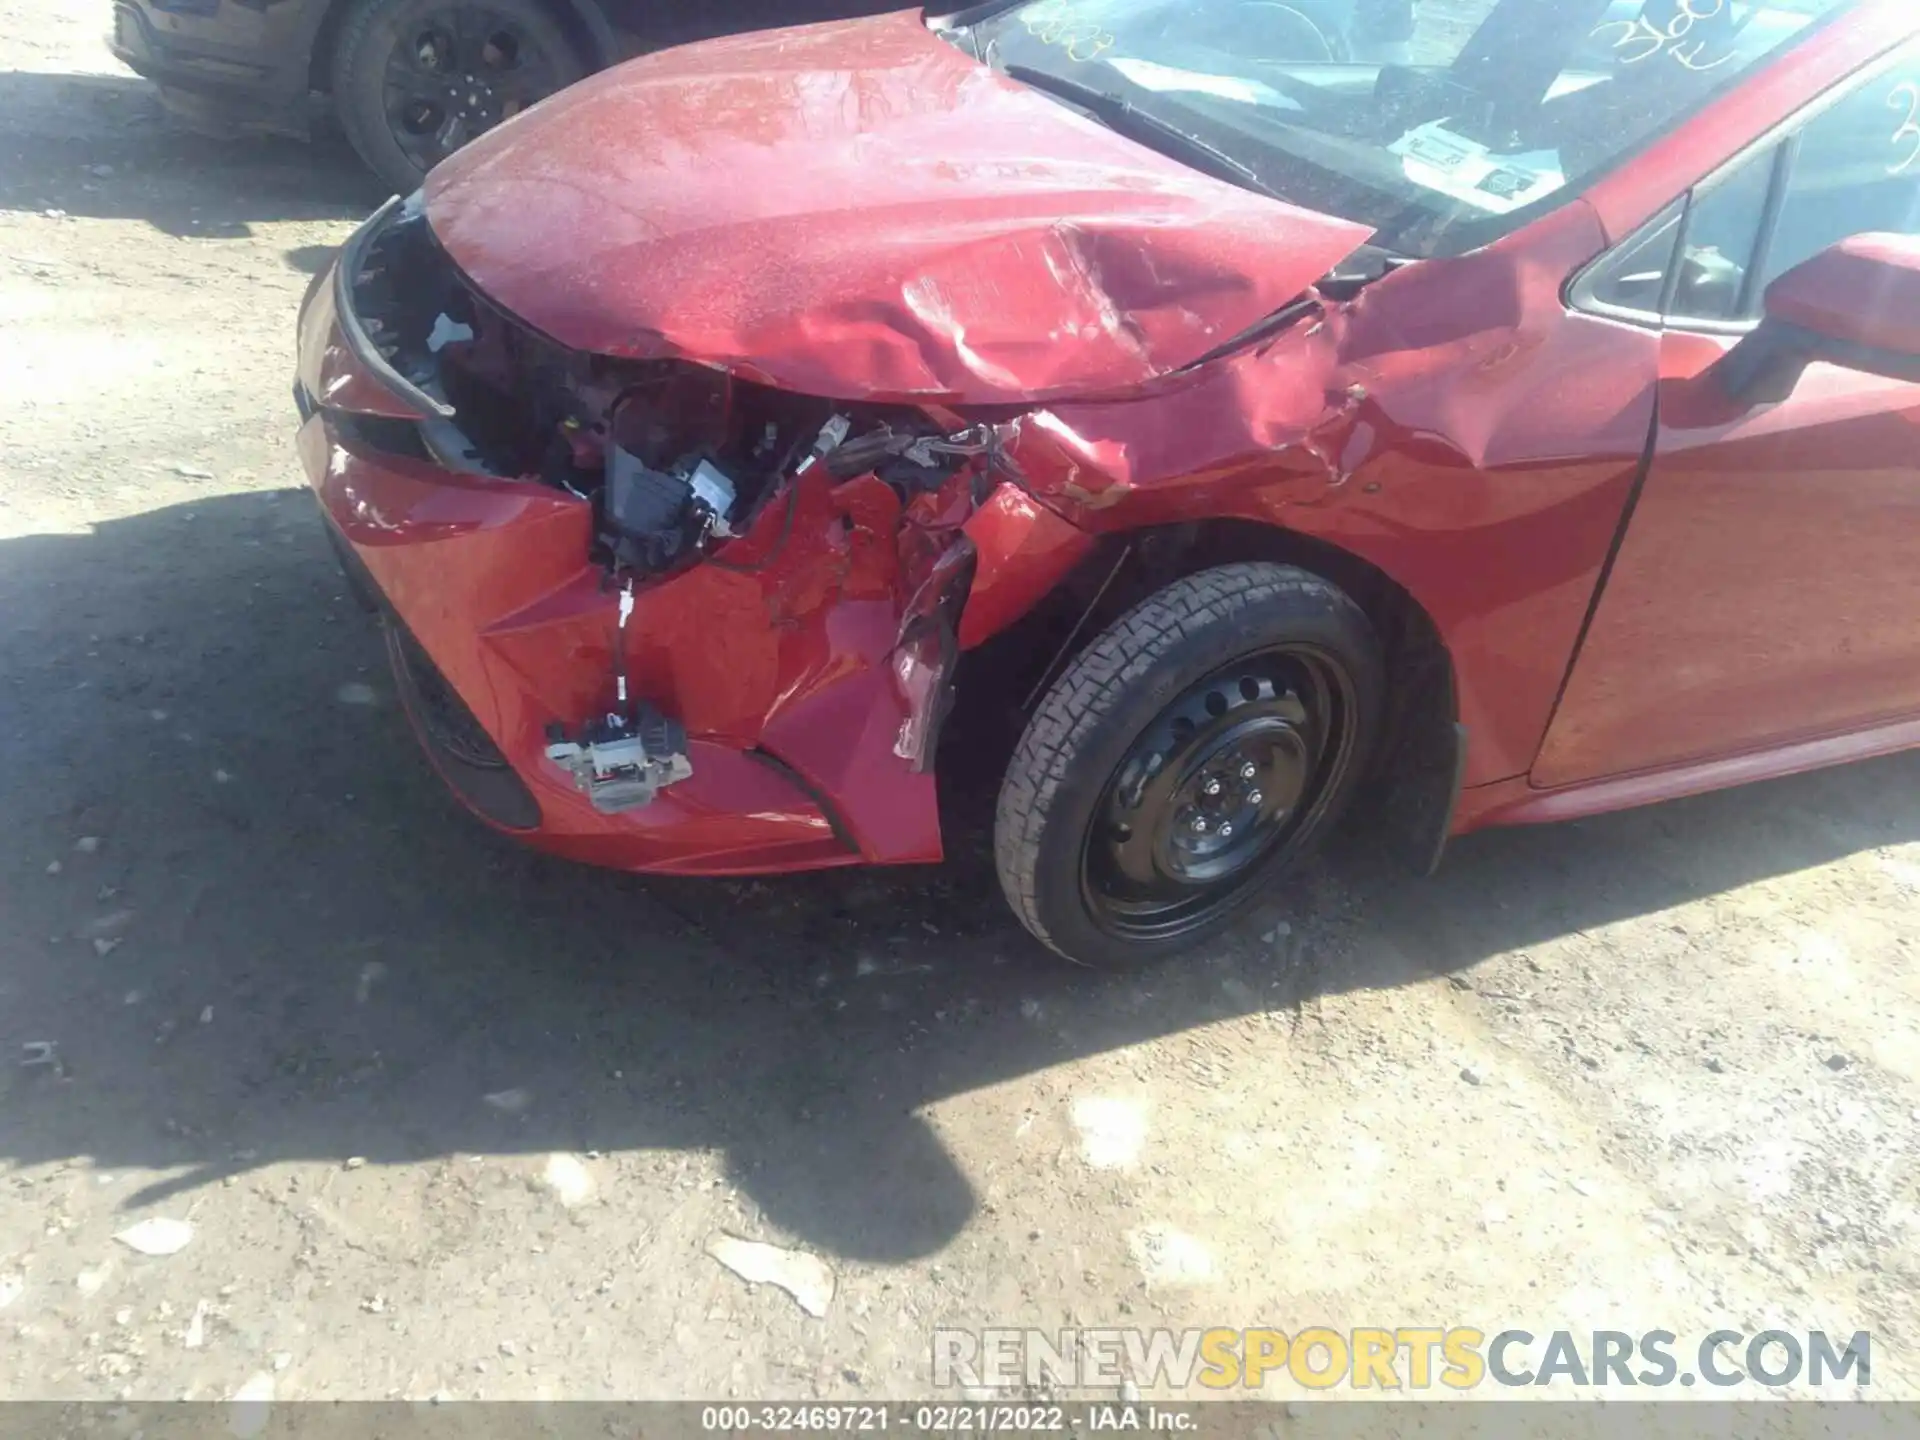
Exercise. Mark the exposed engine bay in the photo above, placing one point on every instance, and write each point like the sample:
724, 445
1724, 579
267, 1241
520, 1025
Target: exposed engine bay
682, 464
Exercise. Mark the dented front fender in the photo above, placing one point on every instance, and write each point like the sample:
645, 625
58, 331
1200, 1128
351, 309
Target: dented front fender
1454, 426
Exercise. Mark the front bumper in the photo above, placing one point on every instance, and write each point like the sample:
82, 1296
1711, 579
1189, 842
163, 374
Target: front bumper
246, 60
781, 674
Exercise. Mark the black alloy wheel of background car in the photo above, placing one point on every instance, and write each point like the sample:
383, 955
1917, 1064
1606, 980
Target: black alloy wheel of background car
414, 80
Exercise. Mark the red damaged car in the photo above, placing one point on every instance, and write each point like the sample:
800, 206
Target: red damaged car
1512, 419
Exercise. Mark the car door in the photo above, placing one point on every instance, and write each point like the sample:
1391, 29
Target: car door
1765, 588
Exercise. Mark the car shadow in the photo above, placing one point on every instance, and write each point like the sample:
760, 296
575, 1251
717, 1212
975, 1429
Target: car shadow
100, 146
272, 936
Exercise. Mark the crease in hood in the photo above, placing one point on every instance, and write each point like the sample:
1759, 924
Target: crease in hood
862, 211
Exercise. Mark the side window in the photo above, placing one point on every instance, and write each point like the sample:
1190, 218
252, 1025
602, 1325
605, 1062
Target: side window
1633, 281
1857, 170
1852, 169
1723, 233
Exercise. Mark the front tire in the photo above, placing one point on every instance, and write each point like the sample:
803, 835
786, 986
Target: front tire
1183, 760
414, 80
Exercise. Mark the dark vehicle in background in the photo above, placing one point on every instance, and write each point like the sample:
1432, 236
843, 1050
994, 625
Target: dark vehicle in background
410, 80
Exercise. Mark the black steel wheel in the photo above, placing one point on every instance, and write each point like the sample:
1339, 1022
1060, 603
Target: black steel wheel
1213, 789
1185, 759
414, 80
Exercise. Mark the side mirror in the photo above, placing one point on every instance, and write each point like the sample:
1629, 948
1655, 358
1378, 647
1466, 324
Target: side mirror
1856, 305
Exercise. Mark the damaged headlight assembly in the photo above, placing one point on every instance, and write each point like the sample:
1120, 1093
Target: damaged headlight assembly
682, 466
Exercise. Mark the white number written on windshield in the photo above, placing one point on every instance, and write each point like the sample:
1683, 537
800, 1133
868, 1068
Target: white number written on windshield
1058, 25
1640, 39
1906, 99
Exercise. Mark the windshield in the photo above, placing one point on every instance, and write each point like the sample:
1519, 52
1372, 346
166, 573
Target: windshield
1440, 123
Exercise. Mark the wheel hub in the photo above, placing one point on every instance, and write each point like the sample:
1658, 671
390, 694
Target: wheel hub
1213, 788
473, 98
1247, 779
466, 70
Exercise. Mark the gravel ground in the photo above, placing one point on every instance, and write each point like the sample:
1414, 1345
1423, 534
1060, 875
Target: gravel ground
451, 1119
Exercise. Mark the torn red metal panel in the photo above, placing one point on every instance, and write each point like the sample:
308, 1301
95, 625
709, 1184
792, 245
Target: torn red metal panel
430, 546
842, 738
1023, 551
927, 650
929, 526
897, 221
778, 642
729, 642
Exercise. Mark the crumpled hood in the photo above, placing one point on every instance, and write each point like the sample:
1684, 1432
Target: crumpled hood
861, 211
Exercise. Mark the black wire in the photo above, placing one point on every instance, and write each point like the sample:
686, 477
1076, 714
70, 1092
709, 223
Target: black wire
620, 666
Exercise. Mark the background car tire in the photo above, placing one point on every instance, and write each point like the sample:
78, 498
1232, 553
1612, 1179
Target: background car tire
539, 56
1222, 659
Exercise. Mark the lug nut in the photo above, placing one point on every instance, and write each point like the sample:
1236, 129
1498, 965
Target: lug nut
1226, 829
1248, 770
1254, 797
1199, 824
1212, 787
